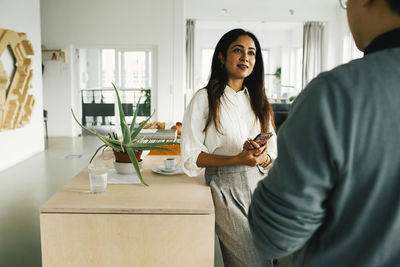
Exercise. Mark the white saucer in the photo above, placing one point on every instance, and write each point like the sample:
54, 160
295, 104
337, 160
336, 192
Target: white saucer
161, 170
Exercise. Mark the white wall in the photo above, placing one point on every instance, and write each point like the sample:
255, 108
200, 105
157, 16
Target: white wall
120, 23
19, 144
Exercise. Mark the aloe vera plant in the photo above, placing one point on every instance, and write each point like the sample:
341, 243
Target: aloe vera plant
129, 142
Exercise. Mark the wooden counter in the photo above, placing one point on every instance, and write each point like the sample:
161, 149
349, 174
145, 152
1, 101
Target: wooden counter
168, 223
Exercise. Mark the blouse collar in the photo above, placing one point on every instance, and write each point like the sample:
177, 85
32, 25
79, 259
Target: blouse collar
229, 91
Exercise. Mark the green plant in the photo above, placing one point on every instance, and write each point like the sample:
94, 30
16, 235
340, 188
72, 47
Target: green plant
129, 142
277, 73
144, 108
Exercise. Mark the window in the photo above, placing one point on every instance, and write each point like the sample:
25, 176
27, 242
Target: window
350, 50
265, 55
206, 60
298, 82
269, 75
108, 69
129, 69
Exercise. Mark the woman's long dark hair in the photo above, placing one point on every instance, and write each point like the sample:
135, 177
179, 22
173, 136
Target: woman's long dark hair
254, 83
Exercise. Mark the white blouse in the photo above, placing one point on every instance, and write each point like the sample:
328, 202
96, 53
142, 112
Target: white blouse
237, 123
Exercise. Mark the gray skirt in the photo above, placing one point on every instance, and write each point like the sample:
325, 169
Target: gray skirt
232, 188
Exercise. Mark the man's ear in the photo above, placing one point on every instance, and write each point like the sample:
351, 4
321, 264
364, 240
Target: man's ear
221, 58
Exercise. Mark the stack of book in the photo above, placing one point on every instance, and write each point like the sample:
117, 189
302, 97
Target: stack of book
157, 135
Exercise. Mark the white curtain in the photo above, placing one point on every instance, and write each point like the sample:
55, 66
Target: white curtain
190, 25
190, 28
312, 50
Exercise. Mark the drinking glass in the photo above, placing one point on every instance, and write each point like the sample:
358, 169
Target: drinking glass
98, 177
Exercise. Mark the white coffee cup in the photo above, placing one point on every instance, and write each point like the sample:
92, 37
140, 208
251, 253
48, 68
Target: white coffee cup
169, 163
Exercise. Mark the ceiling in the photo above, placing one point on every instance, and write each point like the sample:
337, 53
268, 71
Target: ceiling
263, 10
266, 26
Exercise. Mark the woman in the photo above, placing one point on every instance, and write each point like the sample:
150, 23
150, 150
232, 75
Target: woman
218, 126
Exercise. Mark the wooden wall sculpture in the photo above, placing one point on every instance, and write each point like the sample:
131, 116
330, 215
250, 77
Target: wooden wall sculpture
16, 104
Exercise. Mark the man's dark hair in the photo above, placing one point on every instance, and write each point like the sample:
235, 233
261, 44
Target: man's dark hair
394, 5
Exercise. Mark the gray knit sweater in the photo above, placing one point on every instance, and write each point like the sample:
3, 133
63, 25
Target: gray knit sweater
333, 194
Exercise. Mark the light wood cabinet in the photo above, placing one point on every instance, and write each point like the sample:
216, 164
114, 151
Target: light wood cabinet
168, 223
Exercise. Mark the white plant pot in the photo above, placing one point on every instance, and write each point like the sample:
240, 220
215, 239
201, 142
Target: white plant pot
126, 168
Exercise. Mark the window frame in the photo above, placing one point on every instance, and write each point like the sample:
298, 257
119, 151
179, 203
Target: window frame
118, 70
151, 67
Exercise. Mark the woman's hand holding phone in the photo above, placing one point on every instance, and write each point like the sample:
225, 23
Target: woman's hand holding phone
250, 145
253, 157
255, 151
259, 141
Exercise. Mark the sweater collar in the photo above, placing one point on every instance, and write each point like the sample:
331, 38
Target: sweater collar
386, 40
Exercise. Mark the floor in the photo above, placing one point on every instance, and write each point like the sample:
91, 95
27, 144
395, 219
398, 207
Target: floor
27, 186
32, 183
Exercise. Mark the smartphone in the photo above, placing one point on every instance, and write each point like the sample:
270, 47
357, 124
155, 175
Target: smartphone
262, 138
